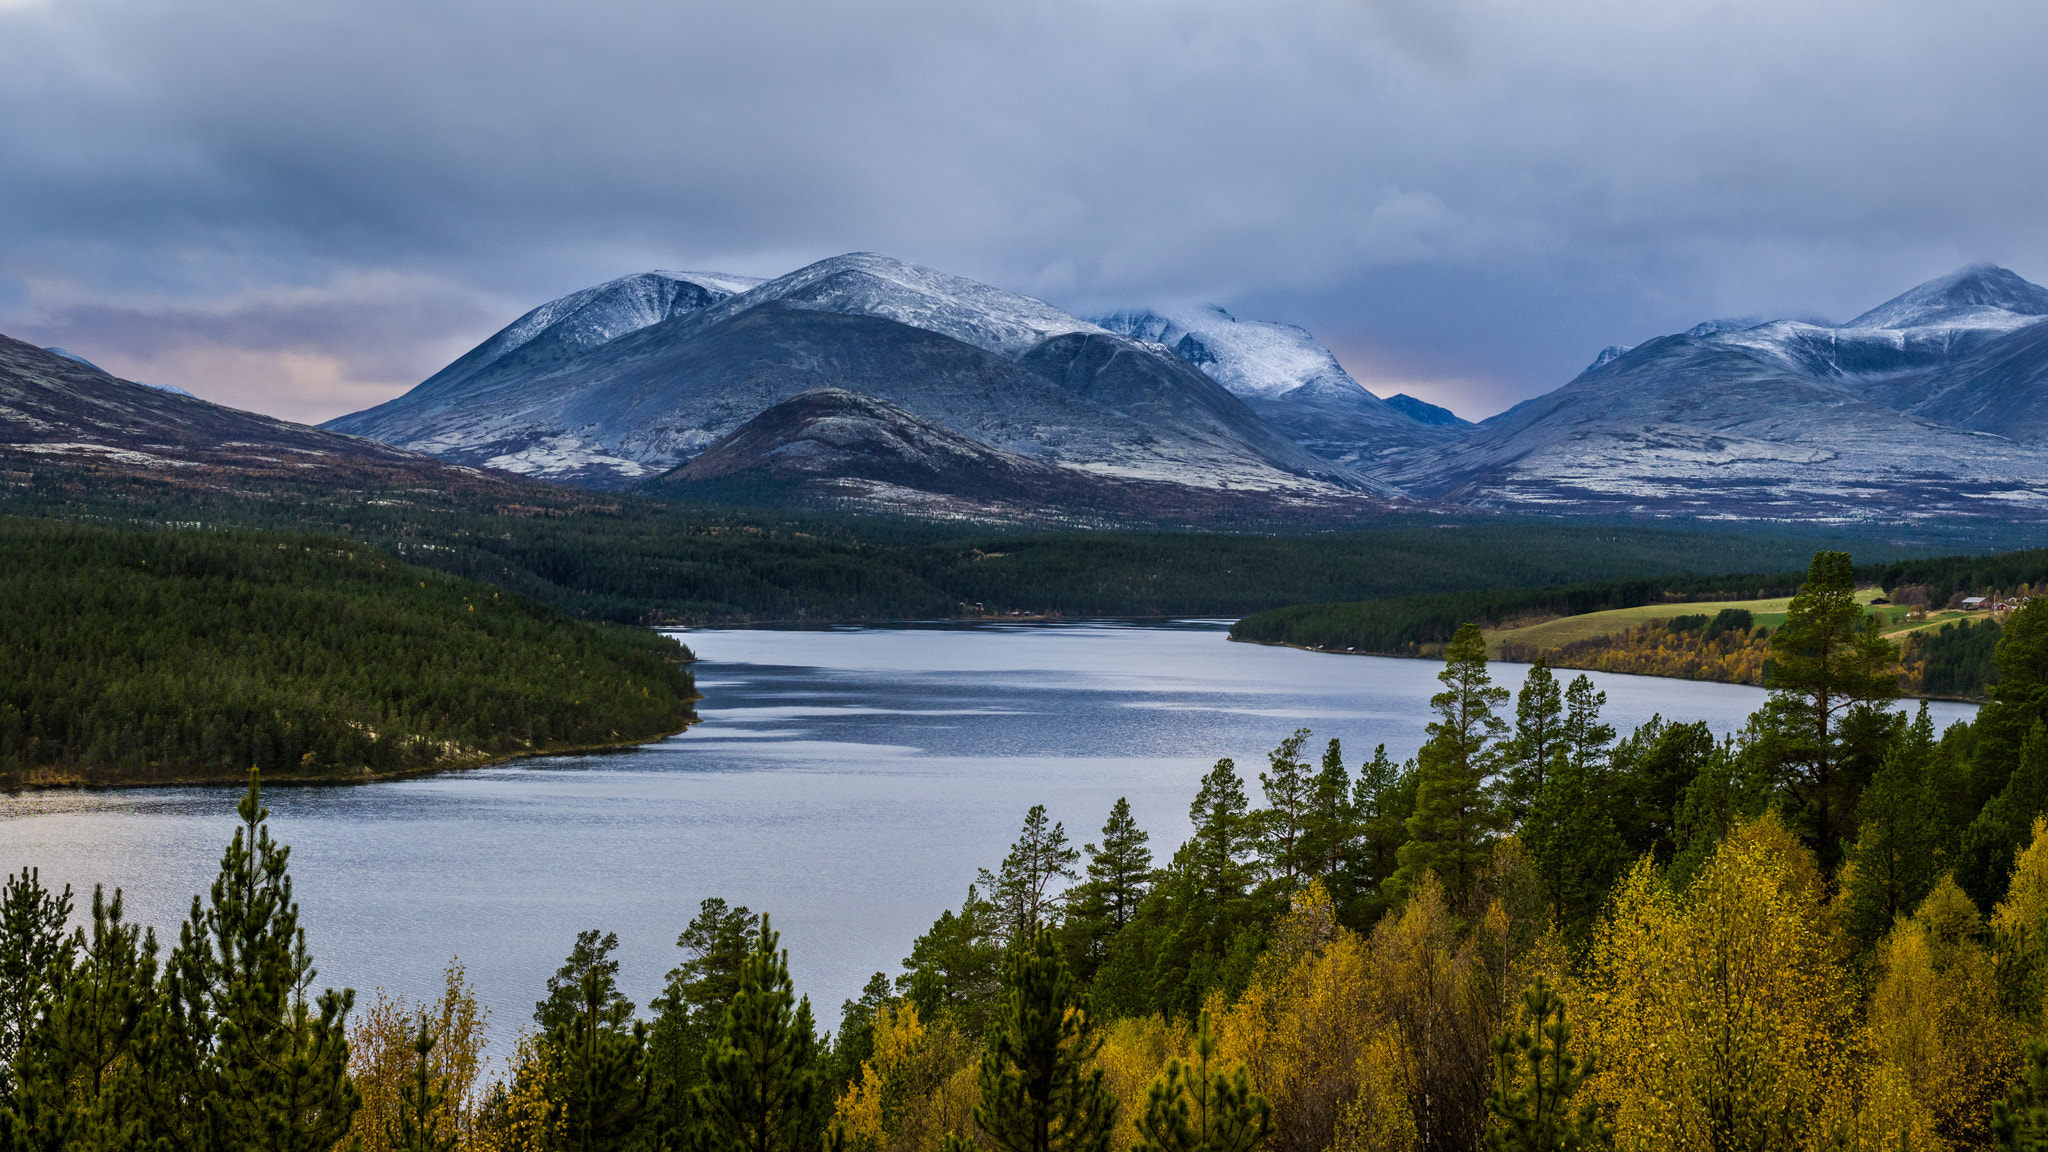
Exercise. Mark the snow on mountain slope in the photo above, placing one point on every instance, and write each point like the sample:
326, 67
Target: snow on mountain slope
1012, 372
173, 389
1291, 380
867, 284
1783, 420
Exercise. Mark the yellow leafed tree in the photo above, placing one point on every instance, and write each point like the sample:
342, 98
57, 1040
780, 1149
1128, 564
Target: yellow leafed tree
915, 1089
381, 1059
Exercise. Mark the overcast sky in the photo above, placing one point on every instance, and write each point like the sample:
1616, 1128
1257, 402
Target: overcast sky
307, 206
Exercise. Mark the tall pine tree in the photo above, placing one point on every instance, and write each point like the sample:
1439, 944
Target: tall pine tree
1539, 724
1022, 890
1456, 815
761, 1089
1039, 1089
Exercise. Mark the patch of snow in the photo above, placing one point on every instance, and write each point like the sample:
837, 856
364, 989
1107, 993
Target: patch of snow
1249, 357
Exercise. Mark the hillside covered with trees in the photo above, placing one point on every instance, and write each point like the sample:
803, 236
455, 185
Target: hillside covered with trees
1826, 932
150, 657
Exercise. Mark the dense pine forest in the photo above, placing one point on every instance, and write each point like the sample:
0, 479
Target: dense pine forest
633, 559
135, 657
1827, 931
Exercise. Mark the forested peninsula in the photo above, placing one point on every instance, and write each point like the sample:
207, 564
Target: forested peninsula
152, 657
1828, 932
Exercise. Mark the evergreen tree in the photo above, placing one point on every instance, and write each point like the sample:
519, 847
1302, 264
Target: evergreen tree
1451, 830
1531, 1102
1539, 724
1898, 845
1333, 821
1222, 836
590, 957
955, 968
1119, 874
1382, 800
692, 1004
856, 1039
1571, 837
422, 1105
32, 950
761, 1091
1651, 770
82, 1068
254, 1061
1038, 1089
1022, 889
1985, 848
1584, 737
604, 1093
1192, 1108
1830, 663
1282, 826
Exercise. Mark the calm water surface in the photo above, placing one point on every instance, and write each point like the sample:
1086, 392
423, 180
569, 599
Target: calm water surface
849, 782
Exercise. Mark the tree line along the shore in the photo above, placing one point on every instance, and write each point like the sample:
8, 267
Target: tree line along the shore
1826, 931
148, 657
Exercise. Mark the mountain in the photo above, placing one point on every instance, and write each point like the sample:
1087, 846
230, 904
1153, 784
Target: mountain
1890, 415
831, 447
1011, 372
1283, 374
70, 355
1423, 412
58, 412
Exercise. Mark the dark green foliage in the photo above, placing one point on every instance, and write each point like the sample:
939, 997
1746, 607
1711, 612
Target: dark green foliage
1331, 823
1451, 829
1531, 1102
1195, 1108
1280, 830
589, 966
32, 920
1694, 623
1651, 770
955, 968
1944, 577
1985, 848
1900, 838
1038, 1092
692, 1005
1539, 722
1383, 798
1727, 620
1022, 889
2019, 1123
856, 1039
1570, 835
605, 1095
177, 655
1830, 667
761, 1089
1958, 660
417, 1127
253, 1056
1119, 875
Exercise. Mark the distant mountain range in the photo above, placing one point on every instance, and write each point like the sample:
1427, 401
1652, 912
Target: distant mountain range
865, 382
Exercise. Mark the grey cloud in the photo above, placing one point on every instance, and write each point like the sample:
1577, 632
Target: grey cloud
1468, 195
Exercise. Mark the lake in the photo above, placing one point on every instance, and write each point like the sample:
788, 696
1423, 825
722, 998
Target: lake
847, 781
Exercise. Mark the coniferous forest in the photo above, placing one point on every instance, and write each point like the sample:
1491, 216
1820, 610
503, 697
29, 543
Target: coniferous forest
1827, 931
135, 657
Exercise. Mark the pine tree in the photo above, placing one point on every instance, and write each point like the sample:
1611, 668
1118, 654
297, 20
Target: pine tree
81, 1068
1119, 874
760, 1091
251, 1058
1451, 829
1531, 1102
1038, 1090
2020, 1122
1022, 889
1332, 827
1192, 1108
1382, 800
422, 1105
32, 949
692, 1005
1281, 828
1898, 844
1221, 837
1571, 837
604, 1093
590, 957
1829, 661
1539, 722
1584, 737
955, 968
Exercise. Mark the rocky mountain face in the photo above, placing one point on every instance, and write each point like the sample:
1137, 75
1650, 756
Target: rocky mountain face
1013, 373
1924, 407
59, 412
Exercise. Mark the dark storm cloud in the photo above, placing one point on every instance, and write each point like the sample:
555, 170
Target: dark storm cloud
305, 206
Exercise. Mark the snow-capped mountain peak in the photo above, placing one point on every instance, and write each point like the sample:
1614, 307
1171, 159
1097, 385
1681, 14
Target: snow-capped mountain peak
1980, 296
1249, 357
868, 284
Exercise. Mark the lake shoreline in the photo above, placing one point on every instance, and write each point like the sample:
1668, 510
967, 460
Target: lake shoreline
1567, 667
81, 784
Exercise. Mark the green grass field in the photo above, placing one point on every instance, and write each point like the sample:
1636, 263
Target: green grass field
1768, 613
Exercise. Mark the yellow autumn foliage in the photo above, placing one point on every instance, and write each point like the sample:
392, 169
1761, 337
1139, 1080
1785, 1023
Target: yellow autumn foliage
522, 1114
381, 1060
1722, 1016
916, 1087
1134, 1049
